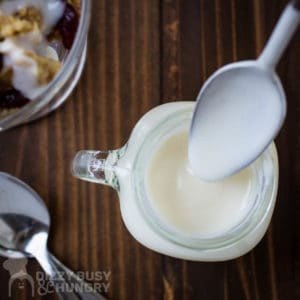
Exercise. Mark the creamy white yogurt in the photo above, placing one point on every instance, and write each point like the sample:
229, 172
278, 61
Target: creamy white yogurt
187, 203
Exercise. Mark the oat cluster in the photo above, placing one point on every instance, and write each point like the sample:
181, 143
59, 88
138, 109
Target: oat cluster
27, 20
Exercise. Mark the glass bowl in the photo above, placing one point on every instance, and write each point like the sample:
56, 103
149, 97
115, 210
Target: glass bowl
60, 88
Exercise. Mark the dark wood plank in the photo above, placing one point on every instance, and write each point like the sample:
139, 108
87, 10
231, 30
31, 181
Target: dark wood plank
141, 54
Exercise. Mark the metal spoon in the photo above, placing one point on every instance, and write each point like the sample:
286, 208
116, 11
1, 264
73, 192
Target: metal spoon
24, 227
241, 108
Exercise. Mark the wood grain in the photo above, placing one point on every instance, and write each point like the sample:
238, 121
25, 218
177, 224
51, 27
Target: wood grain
141, 54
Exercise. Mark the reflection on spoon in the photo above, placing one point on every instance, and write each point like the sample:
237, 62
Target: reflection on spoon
24, 227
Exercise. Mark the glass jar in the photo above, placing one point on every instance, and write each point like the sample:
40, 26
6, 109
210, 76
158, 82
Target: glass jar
125, 170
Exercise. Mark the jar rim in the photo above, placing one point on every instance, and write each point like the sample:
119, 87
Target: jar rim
250, 223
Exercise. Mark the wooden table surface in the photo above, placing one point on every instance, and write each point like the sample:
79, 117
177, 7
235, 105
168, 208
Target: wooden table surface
141, 54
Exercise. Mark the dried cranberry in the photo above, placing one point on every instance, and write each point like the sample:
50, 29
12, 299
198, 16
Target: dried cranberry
12, 98
68, 25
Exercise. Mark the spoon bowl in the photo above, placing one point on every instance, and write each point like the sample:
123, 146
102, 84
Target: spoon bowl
242, 102
24, 230
20, 219
241, 108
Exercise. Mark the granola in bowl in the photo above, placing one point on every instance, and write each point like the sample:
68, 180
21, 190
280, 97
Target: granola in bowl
35, 38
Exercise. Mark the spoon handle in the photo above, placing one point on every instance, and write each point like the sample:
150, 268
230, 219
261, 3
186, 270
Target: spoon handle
84, 291
281, 36
67, 287
296, 4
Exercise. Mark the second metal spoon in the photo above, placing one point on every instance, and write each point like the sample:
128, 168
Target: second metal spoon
24, 227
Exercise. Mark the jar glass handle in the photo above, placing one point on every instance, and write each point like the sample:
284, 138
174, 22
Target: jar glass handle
98, 166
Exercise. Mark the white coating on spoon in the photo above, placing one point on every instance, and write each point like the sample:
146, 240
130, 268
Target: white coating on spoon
238, 125
240, 109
